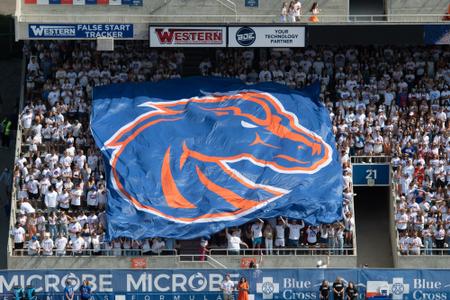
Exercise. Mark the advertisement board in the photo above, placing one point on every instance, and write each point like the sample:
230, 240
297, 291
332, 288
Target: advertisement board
370, 174
187, 36
80, 31
203, 284
266, 36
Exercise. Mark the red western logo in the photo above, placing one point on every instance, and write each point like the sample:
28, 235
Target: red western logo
189, 36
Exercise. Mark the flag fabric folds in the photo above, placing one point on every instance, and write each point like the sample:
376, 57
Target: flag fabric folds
186, 158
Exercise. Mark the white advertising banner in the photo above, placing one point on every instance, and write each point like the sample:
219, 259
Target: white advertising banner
187, 36
266, 36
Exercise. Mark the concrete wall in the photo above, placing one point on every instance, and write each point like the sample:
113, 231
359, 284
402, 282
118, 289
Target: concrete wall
416, 6
171, 262
173, 9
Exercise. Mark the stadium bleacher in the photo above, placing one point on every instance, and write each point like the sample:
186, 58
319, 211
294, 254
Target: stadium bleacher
382, 101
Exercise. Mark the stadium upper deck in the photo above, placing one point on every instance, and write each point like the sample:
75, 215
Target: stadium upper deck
218, 11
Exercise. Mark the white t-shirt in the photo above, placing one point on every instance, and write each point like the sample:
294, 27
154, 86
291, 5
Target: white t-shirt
92, 198
312, 235
75, 196
227, 287
19, 235
47, 246
234, 242
77, 244
33, 247
61, 244
294, 231
26, 208
257, 230
280, 231
27, 120
51, 199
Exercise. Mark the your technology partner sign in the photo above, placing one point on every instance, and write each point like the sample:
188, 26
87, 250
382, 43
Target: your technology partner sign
266, 36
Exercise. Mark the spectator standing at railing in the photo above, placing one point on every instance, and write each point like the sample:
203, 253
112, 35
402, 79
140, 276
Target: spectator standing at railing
284, 13
414, 244
158, 246
234, 242
280, 229
47, 245
297, 10
61, 244
256, 230
268, 238
78, 244
294, 233
34, 247
18, 234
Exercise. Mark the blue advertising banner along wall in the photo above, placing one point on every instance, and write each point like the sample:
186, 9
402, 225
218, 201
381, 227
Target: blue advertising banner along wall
204, 284
370, 174
188, 157
80, 31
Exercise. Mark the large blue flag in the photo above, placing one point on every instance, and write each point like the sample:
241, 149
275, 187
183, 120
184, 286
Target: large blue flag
188, 157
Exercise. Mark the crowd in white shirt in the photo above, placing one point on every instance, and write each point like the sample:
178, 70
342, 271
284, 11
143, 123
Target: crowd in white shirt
382, 101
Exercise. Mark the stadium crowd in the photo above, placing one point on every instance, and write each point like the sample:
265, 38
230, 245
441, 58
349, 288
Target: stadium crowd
382, 101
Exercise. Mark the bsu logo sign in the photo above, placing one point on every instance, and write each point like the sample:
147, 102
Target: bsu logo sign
213, 158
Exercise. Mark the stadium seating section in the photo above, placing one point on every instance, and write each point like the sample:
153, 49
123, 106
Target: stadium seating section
382, 101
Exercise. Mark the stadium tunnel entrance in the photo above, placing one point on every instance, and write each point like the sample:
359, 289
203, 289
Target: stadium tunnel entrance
373, 227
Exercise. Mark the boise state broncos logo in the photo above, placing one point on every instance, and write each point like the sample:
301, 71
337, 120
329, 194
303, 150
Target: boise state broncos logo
213, 158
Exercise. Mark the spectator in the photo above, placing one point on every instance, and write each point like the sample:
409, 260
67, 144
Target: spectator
297, 10
324, 290
34, 247
227, 287
338, 289
234, 242
294, 233
256, 230
268, 238
284, 13
158, 246
47, 245
61, 244
314, 13
19, 238
78, 244
351, 291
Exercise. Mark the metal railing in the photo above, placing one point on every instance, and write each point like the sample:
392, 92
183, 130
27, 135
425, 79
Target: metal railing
101, 252
233, 18
17, 151
366, 159
426, 252
202, 258
302, 251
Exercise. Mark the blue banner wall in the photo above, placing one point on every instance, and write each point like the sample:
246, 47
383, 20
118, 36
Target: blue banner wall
188, 157
80, 31
205, 284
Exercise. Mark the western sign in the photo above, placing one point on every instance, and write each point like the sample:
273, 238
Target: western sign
266, 36
80, 31
176, 36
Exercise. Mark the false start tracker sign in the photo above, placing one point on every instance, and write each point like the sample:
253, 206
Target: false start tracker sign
187, 36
